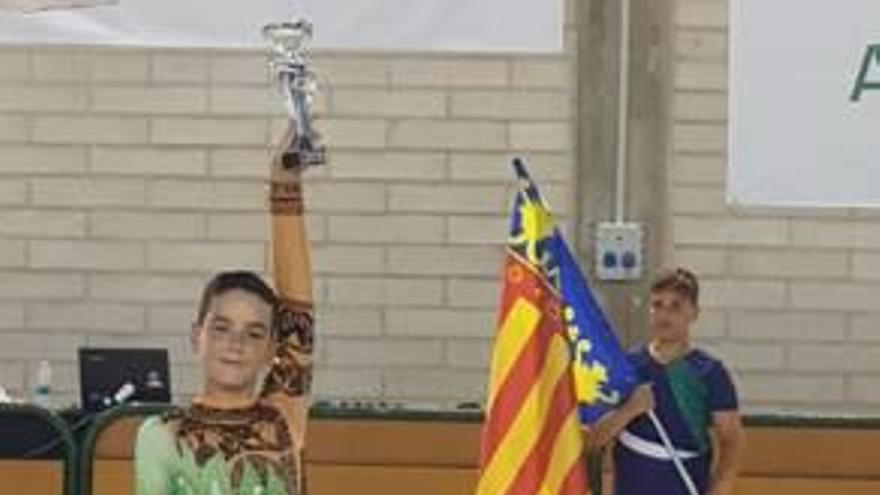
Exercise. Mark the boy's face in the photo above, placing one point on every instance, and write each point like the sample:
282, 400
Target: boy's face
672, 314
234, 342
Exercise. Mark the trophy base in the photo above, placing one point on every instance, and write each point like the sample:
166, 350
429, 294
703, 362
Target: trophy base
303, 158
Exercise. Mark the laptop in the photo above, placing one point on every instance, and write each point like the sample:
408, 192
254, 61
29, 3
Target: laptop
112, 376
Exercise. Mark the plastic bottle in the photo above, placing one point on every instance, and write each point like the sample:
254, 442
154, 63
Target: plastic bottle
43, 386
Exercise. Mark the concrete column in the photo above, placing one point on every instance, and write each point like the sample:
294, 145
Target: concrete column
648, 125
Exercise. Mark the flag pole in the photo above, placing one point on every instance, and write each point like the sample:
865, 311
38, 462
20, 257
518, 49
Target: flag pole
679, 465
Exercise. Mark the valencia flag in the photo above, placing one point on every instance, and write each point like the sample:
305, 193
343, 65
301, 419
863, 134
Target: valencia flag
531, 443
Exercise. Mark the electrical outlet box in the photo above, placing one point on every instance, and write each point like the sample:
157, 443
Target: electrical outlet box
619, 250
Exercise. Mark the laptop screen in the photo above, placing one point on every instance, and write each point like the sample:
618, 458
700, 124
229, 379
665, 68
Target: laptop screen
112, 376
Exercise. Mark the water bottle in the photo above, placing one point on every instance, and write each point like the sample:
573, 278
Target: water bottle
43, 387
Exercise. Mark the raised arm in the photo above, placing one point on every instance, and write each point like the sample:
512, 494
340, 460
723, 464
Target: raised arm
289, 381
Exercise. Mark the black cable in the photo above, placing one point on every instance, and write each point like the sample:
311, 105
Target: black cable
48, 446
84, 421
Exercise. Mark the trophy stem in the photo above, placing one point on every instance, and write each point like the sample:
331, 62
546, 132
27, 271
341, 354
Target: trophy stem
289, 98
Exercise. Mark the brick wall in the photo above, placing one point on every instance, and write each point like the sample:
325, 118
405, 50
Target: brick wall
128, 176
790, 294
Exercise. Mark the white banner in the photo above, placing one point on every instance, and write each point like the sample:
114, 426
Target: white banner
458, 25
38, 5
804, 102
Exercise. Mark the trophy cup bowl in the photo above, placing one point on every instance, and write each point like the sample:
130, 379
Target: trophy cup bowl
289, 62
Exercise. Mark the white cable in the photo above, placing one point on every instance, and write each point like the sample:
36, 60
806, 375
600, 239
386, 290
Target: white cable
679, 465
622, 113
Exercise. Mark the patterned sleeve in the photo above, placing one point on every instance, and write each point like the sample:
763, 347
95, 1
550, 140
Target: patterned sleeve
291, 373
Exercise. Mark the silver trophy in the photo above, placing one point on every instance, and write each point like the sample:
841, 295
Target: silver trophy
289, 61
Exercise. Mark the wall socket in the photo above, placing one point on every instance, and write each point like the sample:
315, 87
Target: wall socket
620, 252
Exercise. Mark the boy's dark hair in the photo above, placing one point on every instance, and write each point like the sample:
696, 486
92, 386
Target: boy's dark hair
679, 280
243, 280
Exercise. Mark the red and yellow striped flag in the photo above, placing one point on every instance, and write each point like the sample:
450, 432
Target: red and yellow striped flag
531, 443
